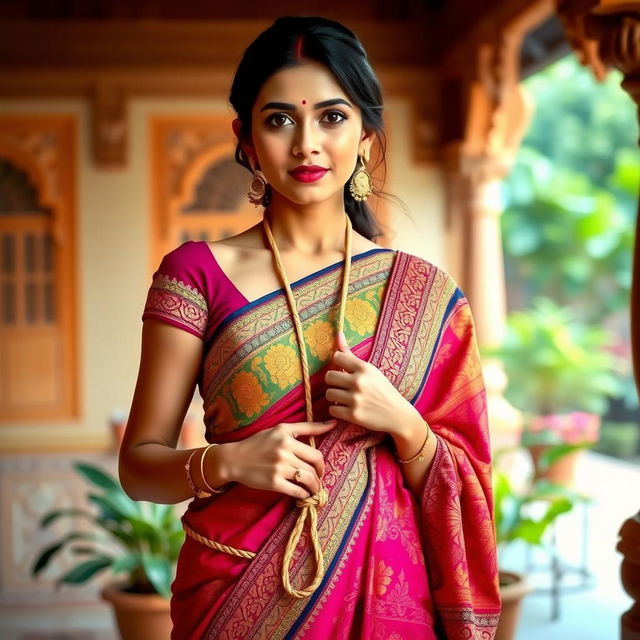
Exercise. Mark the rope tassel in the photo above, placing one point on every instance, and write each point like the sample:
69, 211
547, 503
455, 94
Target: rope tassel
309, 508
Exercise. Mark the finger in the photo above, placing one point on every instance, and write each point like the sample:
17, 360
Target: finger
346, 360
338, 379
310, 457
342, 341
339, 411
338, 395
307, 477
310, 428
291, 489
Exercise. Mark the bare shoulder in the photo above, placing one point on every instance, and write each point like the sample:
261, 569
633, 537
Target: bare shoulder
251, 241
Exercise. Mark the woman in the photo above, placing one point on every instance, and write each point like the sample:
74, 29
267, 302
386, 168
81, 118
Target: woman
378, 522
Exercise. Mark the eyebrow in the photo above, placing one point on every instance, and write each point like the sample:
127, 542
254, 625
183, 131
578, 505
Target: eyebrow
292, 107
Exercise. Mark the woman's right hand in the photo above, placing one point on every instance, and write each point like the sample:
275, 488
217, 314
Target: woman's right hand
268, 459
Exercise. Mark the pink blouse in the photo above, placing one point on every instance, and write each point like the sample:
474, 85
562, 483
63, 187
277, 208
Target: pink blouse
190, 291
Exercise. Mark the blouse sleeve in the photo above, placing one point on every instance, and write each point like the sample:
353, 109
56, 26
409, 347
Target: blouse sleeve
176, 295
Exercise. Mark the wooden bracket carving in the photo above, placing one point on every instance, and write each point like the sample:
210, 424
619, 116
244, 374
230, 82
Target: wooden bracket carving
608, 35
109, 124
629, 547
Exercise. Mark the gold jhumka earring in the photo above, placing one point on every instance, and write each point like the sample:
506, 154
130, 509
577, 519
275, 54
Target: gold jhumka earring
258, 193
360, 183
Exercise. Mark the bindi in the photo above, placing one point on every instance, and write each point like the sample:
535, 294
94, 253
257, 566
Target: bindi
304, 102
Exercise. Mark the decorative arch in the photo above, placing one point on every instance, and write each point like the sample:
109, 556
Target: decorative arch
206, 188
38, 377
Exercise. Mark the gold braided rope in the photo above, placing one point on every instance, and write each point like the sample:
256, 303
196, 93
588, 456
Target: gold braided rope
308, 506
241, 553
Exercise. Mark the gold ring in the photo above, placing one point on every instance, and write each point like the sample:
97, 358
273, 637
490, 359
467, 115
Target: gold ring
298, 475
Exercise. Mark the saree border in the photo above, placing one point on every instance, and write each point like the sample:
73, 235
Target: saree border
270, 316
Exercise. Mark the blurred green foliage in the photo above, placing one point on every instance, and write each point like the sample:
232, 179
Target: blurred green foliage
555, 363
571, 199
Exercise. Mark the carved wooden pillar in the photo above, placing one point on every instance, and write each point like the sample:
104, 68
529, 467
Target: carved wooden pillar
607, 34
629, 547
497, 116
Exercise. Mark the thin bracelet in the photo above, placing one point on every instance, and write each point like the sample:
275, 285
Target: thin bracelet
199, 493
204, 479
420, 453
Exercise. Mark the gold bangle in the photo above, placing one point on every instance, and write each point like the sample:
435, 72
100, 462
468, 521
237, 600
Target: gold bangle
198, 493
420, 454
204, 479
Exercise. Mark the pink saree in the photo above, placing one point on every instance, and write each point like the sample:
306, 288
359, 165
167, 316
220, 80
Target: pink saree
396, 567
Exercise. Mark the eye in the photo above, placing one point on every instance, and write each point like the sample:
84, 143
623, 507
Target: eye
275, 119
333, 120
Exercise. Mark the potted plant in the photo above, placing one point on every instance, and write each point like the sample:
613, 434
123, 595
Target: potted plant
561, 377
524, 514
139, 540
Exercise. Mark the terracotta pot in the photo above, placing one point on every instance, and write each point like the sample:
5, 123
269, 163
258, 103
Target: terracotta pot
118, 423
513, 589
561, 472
139, 615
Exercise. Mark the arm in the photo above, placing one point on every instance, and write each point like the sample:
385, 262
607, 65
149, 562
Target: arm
408, 439
149, 466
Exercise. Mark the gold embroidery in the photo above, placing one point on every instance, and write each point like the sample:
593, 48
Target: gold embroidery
182, 289
320, 339
361, 316
283, 365
170, 298
382, 577
248, 393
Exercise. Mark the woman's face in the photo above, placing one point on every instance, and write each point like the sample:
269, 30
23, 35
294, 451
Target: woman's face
292, 125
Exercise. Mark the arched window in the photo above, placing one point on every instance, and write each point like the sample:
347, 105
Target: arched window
35, 367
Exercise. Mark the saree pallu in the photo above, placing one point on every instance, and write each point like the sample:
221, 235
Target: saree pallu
396, 567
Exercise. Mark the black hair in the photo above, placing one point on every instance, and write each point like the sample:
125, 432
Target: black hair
337, 48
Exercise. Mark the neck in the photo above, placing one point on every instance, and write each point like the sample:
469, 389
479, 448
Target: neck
310, 229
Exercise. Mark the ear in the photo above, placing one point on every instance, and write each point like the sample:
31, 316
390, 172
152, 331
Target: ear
246, 147
366, 141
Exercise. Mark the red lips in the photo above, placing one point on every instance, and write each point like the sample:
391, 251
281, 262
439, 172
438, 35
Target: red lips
308, 168
308, 173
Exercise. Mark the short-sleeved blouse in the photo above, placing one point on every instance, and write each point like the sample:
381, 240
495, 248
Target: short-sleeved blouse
189, 290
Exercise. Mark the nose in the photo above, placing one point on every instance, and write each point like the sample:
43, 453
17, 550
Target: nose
306, 140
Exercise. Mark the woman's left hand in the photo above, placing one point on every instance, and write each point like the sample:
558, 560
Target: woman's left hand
365, 395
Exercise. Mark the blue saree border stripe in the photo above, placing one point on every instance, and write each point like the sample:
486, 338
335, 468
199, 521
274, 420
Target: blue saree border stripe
329, 573
268, 296
455, 297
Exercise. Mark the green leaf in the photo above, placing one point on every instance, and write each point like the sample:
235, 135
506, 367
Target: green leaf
175, 542
158, 571
52, 516
49, 552
107, 512
144, 531
83, 572
557, 452
97, 476
117, 505
126, 563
